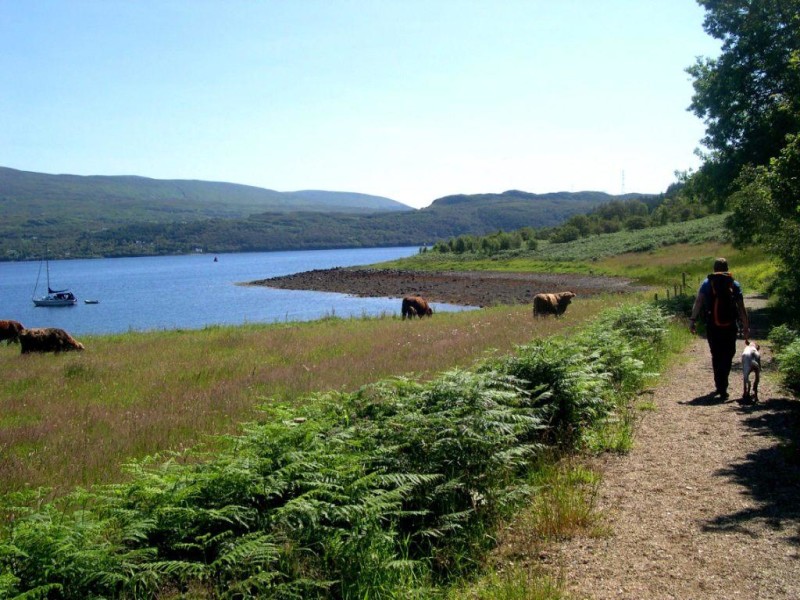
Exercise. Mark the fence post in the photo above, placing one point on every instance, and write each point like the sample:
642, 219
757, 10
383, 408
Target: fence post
667, 293
655, 297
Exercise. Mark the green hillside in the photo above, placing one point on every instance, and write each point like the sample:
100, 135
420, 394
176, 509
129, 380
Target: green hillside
79, 216
26, 195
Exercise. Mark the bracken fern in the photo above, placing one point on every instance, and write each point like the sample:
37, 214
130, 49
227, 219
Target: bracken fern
381, 493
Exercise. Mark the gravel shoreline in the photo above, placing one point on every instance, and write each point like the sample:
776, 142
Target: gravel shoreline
472, 288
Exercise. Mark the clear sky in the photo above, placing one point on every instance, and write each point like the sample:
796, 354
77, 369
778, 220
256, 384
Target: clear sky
409, 99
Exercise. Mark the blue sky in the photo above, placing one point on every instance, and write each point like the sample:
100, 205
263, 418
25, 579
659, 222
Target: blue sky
407, 99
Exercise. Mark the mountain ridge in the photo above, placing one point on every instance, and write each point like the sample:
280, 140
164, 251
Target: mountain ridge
193, 197
112, 216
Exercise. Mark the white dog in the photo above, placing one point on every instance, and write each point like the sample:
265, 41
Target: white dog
751, 363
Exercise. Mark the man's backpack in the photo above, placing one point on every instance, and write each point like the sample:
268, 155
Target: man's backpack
722, 311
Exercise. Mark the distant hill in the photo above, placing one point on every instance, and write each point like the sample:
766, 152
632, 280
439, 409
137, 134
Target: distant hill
27, 195
134, 216
514, 209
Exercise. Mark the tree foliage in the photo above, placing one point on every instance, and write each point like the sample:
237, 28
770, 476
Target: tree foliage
749, 96
765, 212
675, 206
488, 245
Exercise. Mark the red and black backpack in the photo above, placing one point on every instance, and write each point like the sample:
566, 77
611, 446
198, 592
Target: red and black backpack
721, 309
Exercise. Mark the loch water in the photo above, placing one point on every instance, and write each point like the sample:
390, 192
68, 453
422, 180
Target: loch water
187, 292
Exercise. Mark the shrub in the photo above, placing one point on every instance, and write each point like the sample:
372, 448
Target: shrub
781, 336
573, 387
789, 365
677, 305
584, 375
786, 345
641, 325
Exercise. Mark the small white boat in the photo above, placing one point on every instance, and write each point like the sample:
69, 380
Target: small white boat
56, 298
53, 297
91, 301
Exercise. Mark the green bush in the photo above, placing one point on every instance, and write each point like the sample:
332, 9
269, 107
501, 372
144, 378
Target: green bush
789, 365
786, 346
677, 305
573, 389
642, 326
584, 375
781, 336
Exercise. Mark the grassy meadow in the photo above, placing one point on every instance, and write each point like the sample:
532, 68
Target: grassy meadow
72, 419
396, 490
656, 256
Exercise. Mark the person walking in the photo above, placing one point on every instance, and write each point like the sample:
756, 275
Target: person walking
721, 303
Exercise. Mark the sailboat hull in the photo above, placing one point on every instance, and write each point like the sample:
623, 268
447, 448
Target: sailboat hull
51, 300
53, 297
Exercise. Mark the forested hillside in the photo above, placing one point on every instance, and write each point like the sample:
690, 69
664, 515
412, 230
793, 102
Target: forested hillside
134, 216
122, 199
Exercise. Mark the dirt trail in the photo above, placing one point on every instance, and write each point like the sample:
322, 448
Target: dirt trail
707, 504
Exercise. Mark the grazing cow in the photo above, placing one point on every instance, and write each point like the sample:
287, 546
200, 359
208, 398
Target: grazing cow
10, 330
47, 339
551, 304
416, 306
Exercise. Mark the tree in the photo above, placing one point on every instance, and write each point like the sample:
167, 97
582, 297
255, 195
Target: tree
748, 97
581, 223
636, 222
766, 212
566, 233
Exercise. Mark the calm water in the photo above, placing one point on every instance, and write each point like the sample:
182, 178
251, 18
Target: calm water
187, 292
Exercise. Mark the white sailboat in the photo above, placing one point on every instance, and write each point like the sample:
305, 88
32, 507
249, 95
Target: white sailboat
52, 297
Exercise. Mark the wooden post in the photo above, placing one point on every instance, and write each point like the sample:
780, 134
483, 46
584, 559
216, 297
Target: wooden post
684, 278
667, 293
656, 297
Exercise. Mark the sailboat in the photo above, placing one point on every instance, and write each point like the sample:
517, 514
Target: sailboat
53, 297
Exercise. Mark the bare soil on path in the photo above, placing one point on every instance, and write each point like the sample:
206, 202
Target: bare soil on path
707, 503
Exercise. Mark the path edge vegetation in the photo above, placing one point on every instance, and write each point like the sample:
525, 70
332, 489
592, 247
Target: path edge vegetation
395, 490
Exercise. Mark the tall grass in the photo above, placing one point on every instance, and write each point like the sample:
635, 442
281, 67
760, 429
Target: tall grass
562, 506
513, 583
666, 266
386, 492
71, 419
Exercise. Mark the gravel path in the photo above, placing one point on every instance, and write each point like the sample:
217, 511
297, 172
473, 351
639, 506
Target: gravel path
707, 504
